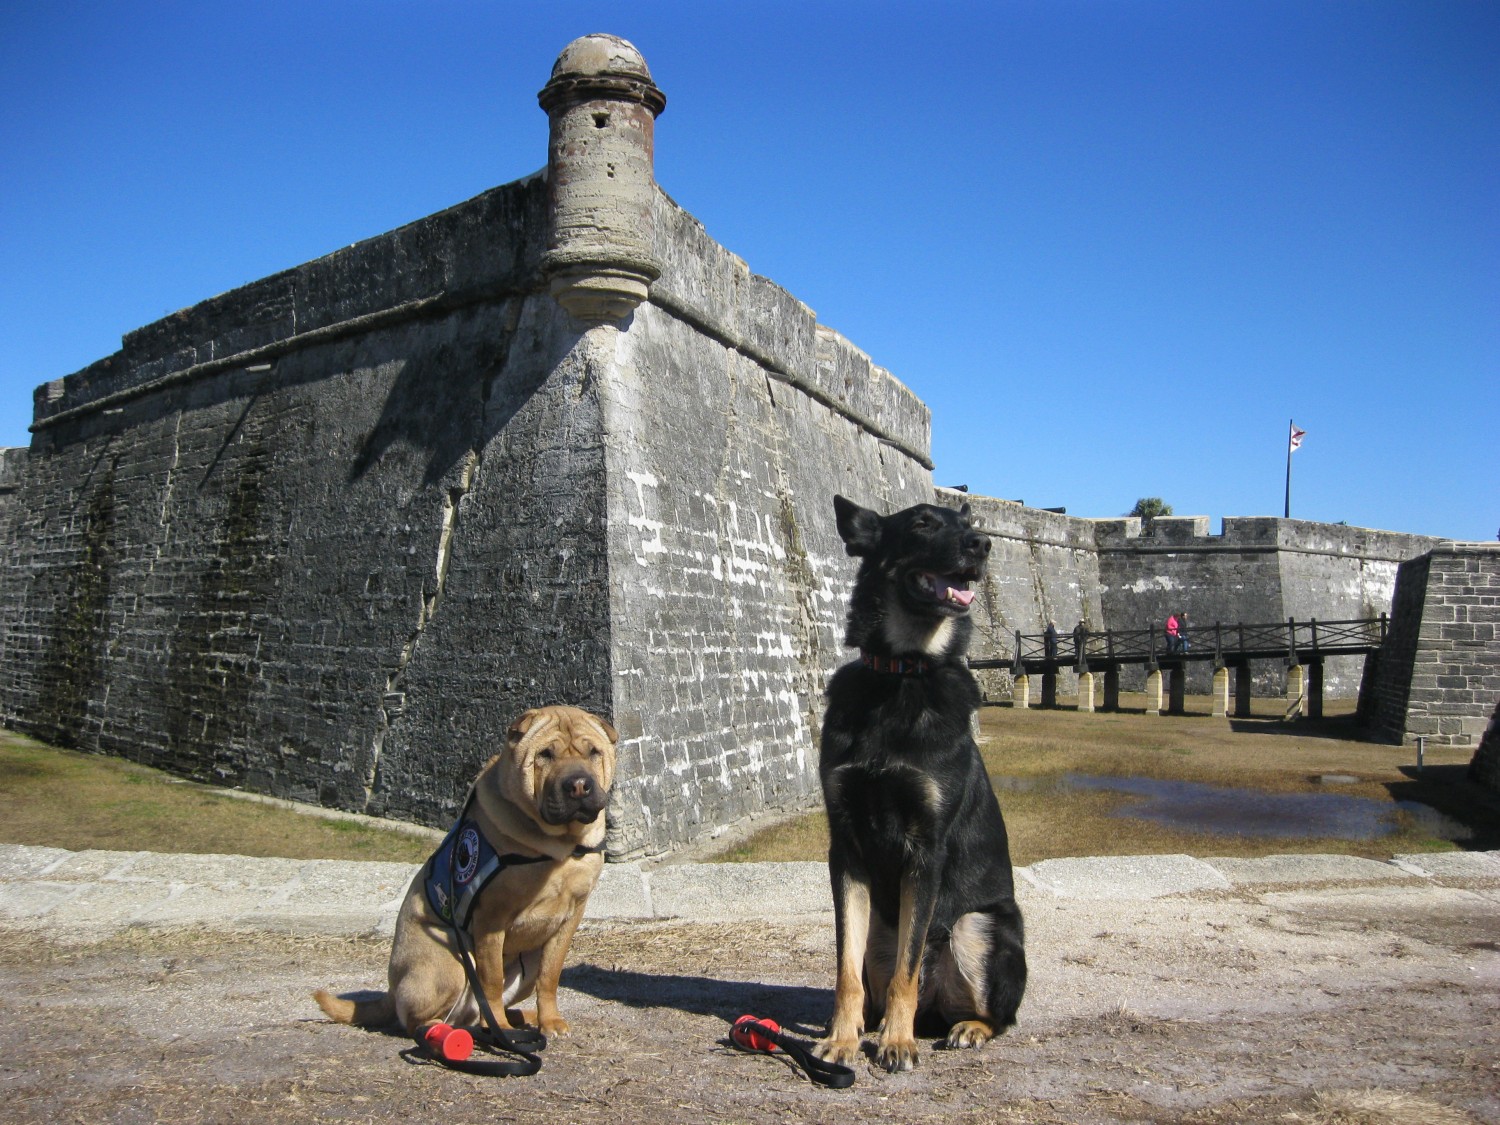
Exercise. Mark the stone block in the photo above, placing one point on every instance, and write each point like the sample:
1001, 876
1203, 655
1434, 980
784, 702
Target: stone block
1451, 865
735, 891
1123, 877
1275, 869
20, 861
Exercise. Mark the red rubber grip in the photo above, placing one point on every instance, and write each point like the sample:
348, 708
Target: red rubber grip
747, 1036
453, 1043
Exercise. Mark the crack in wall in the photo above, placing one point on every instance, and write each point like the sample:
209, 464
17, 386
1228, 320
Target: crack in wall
170, 484
393, 699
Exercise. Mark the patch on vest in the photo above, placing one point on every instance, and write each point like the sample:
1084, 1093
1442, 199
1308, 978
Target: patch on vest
463, 863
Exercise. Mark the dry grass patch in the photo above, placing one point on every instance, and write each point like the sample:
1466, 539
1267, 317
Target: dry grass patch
1030, 753
63, 799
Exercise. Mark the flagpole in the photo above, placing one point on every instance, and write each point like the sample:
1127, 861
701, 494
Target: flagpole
1291, 427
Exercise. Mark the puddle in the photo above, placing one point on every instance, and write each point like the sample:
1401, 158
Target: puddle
1191, 806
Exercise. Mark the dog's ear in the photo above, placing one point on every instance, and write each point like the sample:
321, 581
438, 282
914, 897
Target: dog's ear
963, 511
519, 728
614, 735
859, 528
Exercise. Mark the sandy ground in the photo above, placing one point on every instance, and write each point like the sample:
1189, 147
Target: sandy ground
1324, 1004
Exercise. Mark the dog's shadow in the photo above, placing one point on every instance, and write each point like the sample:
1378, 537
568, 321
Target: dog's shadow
796, 1008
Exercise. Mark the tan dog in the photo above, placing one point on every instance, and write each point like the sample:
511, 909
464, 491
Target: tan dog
540, 797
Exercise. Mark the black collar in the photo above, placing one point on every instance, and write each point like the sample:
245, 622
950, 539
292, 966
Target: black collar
895, 665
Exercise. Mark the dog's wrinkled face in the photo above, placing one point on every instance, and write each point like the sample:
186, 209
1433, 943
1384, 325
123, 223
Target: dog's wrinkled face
561, 764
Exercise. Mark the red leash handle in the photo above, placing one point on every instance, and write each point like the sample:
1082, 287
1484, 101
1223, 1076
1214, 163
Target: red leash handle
455, 1048
452, 1044
752, 1034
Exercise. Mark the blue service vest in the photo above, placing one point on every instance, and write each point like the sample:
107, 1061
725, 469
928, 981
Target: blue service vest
463, 863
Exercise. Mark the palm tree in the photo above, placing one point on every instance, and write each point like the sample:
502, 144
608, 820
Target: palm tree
1148, 508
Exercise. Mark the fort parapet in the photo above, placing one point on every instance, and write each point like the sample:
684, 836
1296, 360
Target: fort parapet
1256, 570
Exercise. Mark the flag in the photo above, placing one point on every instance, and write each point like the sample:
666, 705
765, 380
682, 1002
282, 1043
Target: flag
1297, 436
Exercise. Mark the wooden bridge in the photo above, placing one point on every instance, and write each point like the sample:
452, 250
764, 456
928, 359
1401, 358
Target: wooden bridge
1302, 645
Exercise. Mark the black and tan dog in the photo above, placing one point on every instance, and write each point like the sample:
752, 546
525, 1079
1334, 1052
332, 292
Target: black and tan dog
531, 838
928, 931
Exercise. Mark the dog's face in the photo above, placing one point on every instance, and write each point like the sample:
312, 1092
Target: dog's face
559, 764
917, 571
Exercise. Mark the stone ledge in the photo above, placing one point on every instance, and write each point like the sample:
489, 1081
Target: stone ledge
1274, 869
1133, 877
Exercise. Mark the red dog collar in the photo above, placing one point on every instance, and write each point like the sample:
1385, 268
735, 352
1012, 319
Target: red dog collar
894, 665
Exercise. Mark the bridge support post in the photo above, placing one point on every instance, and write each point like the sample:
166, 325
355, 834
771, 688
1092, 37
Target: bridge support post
1296, 693
1177, 691
1153, 692
1085, 691
1221, 693
1243, 682
1020, 691
1367, 680
1315, 690
1049, 689
1112, 689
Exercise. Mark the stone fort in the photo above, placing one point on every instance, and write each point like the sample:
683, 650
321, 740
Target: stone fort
325, 535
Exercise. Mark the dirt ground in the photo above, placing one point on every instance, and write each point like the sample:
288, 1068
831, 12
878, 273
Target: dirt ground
1327, 1004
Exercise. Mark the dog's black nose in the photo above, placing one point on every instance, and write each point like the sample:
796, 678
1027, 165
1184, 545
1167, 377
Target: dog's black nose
579, 787
977, 543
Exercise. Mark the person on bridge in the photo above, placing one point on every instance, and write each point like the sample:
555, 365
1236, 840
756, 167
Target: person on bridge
1049, 641
1174, 634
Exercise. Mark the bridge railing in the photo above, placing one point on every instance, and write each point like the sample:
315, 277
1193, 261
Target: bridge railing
1293, 640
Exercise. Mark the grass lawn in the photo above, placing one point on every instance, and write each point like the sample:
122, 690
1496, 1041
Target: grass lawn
60, 798
1030, 753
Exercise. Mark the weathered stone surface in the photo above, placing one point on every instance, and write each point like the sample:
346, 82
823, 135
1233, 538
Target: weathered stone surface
1134, 876
602, 106
1439, 672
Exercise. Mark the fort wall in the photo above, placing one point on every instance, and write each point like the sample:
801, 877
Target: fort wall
731, 419
311, 566
1044, 566
1439, 671
1257, 570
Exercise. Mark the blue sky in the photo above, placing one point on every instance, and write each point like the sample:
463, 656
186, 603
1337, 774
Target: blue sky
1115, 246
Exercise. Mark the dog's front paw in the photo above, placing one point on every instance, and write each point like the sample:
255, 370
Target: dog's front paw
896, 1053
970, 1033
554, 1026
840, 1052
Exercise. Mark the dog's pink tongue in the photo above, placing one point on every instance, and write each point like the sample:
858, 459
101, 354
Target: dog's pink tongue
955, 594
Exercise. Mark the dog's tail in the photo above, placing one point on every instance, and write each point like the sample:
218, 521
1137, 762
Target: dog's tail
376, 1011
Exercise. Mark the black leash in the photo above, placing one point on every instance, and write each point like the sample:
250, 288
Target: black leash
433, 1043
751, 1034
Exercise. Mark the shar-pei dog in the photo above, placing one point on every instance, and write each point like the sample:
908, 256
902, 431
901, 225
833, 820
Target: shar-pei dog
513, 876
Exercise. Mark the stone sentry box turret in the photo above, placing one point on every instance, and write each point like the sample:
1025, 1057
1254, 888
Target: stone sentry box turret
324, 536
602, 105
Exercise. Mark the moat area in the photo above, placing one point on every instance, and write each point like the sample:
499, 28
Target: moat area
1192, 806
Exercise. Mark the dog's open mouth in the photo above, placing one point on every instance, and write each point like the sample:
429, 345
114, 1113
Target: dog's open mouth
951, 590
